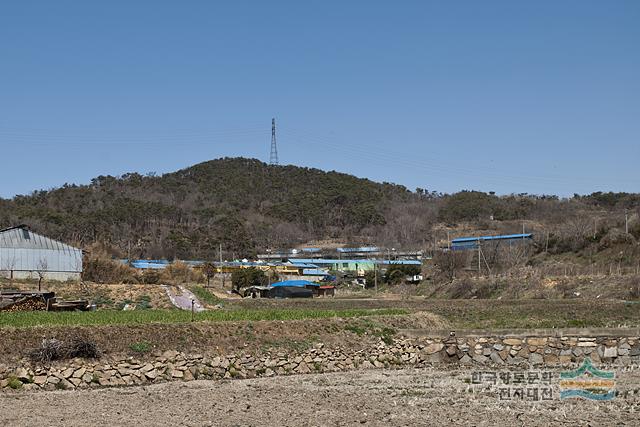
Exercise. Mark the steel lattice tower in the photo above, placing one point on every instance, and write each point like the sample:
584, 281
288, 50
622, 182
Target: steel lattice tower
273, 158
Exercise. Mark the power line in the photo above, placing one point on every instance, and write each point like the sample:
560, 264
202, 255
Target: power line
391, 157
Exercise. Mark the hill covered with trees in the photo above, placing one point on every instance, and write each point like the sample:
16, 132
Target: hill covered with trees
247, 206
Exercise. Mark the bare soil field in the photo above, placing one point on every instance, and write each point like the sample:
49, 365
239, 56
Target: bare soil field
374, 397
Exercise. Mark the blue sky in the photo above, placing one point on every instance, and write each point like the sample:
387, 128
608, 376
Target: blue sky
536, 97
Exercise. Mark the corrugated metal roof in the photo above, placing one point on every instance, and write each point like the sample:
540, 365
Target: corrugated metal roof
362, 249
358, 261
314, 272
296, 283
401, 262
299, 264
21, 237
501, 237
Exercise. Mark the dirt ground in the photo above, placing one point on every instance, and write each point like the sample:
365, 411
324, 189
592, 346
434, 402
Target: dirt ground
376, 397
106, 296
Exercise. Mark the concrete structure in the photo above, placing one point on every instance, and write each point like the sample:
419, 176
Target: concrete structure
27, 255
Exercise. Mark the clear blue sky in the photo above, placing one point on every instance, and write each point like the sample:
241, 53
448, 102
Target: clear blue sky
537, 97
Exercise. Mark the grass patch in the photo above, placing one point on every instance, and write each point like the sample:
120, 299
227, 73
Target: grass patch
368, 327
140, 317
205, 296
14, 383
140, 347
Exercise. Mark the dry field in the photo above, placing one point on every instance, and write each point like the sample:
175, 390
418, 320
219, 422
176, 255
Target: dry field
406, 397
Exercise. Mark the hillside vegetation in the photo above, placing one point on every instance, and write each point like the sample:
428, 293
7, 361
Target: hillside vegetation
247, 206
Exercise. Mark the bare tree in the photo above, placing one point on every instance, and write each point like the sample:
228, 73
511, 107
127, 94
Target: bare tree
9, 265
450, 262
42, 271
209, 271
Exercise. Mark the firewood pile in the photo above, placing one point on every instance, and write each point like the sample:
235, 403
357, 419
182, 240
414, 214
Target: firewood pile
38, 301
32, 303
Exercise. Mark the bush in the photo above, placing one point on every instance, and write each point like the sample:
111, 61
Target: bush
396, 273
246, 277
150, 277
53, 349
99, 269
14, 383
140, 347
180, 273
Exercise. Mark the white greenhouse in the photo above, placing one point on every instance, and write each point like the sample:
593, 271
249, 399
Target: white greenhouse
27, 255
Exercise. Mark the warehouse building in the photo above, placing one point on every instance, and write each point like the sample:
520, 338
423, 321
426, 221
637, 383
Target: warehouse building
28, 255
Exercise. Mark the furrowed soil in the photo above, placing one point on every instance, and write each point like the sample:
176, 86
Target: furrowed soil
405, 397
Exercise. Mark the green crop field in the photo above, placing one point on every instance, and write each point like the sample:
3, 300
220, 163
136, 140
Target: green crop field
43, 318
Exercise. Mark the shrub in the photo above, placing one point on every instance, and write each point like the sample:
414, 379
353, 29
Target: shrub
53, 349
180, 273
99, 269
140, 347
246, 277
396, 273
150, 277
14, 383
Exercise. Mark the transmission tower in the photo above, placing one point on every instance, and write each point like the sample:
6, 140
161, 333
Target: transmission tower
273, 158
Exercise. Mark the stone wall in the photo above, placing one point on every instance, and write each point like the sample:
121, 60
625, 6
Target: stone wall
411, 349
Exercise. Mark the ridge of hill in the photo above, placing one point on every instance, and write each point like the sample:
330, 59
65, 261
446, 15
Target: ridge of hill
248, 206
240, 203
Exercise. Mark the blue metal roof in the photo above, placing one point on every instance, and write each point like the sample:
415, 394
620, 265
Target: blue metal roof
314, 272
297, 263
329, 261
295, 283
359, 261
501, 237
363, 249
400, 262
144, 264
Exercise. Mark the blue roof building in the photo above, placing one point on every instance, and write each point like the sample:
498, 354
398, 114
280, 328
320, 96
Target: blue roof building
464, 243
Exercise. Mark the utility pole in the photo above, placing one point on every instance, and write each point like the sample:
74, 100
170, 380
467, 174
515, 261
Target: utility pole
546, 245
626, 223
221, 267
448, 240
375, 276
479, 257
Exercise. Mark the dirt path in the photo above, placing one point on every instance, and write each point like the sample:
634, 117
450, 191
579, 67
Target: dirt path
376, 397
183, 299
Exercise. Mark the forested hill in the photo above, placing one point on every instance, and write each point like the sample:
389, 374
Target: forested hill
243, 204
248, 206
